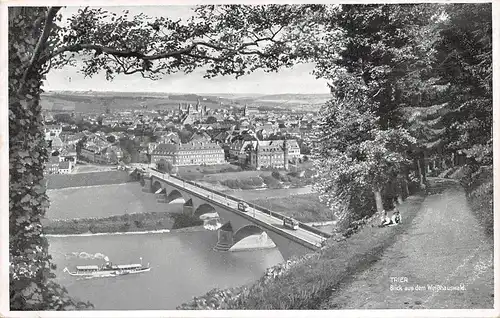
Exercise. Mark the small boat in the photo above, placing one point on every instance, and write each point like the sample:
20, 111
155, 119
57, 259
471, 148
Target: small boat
108, 270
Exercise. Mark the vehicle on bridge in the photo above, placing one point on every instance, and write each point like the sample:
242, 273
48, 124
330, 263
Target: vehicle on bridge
243, 206
291, 223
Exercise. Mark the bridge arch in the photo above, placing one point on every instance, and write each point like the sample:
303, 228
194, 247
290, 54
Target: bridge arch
246, 231
156, 186
174, 195
204, 209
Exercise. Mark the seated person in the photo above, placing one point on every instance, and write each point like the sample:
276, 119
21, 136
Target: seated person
396, 217
385, 219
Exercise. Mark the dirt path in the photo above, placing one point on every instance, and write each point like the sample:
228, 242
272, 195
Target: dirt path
444, 245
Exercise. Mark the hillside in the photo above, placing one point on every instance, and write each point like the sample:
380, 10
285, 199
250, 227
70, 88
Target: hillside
98, 101
308, 102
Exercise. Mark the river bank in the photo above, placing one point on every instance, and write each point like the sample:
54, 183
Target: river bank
62, 181
149, 222
173, 231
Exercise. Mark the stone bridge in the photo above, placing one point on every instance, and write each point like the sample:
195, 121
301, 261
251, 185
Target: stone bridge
199, 200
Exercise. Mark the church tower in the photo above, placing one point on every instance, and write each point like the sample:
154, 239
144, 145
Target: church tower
245, 111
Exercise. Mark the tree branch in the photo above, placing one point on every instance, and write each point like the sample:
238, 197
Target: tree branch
119, 53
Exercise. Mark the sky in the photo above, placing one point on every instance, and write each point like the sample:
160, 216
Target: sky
296, 80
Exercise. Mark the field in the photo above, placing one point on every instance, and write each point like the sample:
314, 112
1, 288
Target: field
217, 173
303, 207
92, 168
98, 102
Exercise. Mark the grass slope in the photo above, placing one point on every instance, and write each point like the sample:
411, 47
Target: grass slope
313, 279
303, 207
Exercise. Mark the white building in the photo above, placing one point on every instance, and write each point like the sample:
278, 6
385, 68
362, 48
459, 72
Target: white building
52, 131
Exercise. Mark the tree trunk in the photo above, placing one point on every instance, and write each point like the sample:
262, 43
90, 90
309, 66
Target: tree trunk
401, 190
400, 199
405, 186
30, 265
420, 172
378, 200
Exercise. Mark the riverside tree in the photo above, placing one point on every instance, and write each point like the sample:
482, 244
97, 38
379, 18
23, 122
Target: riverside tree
354, 155
223, 40
362, 144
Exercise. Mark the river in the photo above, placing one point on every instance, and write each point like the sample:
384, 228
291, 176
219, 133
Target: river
183, 264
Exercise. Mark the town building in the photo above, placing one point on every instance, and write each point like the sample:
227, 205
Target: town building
56, 143
188, 115
68, 153
273, 153
196, 152
52, 131
109, 155
52, 166
250, 111
65, 167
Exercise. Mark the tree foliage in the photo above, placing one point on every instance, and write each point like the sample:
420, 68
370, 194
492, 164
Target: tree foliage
417, 74
353, 153
464, 62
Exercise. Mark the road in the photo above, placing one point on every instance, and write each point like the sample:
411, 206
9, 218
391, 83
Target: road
444, 245
272, 221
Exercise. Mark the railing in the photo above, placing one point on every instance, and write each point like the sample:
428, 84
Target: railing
255, 206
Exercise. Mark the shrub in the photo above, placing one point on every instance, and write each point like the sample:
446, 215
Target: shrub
125, 227
276, 175
293, 174
309, 173
182, 220
478, 184
272, 182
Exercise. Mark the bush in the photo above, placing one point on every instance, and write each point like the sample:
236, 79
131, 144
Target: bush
271, 182
309, 173
276, 175
478, 185
293, 174
182, 220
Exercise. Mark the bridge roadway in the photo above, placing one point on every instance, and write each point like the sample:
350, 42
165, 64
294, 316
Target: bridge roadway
272, 221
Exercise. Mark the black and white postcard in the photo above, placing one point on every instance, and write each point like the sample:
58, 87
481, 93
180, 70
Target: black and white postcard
159, 159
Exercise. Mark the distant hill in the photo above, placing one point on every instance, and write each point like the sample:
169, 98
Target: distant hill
86, 102
98, 101
305, 102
